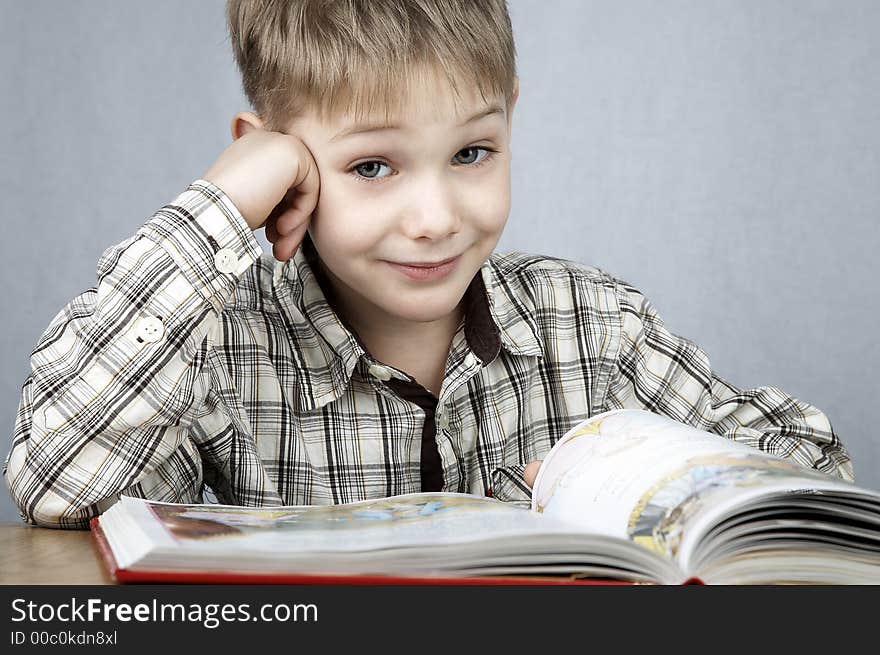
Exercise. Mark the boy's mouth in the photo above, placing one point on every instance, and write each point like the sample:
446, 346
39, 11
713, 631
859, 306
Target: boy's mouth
426, 264
426, 270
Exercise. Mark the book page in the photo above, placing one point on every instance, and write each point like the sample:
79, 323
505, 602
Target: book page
372, 524
644, 477
410, 533
399, 521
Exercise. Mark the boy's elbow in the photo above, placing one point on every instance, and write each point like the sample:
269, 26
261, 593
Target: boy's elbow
831, 459
51, 512
844, 470
818, 441
58, 517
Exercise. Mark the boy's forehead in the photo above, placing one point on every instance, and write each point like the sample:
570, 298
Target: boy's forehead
426, 100
349, 124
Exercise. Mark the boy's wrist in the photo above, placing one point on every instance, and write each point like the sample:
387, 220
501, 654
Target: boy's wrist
207, 237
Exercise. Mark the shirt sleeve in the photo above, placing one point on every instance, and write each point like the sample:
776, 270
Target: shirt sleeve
117, 377
670, 375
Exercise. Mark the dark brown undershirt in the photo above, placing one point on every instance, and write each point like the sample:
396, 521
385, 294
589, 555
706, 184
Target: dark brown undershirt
482, 337
430, 464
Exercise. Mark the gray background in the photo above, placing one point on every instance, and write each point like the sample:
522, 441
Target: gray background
722, 156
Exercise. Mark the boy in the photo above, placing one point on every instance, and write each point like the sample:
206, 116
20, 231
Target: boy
388, 350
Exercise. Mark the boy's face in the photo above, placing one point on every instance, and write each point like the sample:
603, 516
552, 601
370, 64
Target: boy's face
433, 187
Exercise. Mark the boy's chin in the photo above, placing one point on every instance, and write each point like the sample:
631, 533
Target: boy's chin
422, 306
424, 310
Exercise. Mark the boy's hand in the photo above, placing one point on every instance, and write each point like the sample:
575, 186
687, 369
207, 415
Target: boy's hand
273, 180
531, 472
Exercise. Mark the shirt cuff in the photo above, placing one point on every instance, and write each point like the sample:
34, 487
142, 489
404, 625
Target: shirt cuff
508, 485
207, 237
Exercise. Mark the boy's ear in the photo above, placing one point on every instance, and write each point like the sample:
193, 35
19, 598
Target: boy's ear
243, 122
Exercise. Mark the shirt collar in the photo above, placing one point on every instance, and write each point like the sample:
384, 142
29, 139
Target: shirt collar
498, 313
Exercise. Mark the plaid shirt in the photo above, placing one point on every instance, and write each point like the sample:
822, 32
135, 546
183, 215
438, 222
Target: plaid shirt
199, 362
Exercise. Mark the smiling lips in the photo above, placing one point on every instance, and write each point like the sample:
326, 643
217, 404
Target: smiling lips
423, 271
425, 264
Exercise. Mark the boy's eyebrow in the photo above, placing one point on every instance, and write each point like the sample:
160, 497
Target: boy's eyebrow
375, 127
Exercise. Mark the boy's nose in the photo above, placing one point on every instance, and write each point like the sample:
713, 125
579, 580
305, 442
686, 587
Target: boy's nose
433, 213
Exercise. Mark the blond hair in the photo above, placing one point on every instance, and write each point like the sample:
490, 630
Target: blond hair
350, 56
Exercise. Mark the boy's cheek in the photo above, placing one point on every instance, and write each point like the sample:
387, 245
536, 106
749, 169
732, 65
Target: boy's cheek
345, 229
496, 196
493, 211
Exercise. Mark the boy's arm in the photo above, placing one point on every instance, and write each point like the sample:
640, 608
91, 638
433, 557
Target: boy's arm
118, 375
670, 375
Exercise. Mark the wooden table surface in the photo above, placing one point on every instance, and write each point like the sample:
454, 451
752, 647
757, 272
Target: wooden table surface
30, 555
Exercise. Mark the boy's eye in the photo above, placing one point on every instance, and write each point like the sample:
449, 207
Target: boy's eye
469, 151
371, 170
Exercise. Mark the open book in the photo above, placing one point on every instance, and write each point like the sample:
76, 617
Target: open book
625, 495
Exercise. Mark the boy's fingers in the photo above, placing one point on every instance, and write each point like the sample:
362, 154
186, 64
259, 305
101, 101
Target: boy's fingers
306, 192
290, 219
531, 472
300, 199
286, 246
288, 222
277, 210
272, 230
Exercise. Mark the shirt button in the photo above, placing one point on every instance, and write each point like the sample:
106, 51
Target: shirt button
380, 372
470, 359
443, 420
150, 329
226, 260
52, 418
